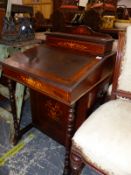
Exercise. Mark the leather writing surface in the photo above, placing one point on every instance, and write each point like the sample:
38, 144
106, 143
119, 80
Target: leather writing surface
54, 64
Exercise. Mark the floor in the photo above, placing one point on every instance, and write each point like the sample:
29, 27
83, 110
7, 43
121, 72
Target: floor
35, 154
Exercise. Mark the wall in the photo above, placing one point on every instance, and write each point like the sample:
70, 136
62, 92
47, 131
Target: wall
125, 2
44, 6
16, 1
83, 2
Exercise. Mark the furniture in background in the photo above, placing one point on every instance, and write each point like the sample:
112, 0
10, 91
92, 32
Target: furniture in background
17, 26
105, 6
119, 21
2, 14
65, 76
43, 6
114, 32
7, 50
84, 30
69, 13
9, 47
103, 141
3, 4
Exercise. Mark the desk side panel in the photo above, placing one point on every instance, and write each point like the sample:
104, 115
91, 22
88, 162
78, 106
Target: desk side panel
51, 116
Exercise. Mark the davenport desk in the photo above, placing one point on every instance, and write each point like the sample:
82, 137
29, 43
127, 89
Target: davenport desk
63, 76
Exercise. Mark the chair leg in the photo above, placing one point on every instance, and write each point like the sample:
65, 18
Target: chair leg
76, 164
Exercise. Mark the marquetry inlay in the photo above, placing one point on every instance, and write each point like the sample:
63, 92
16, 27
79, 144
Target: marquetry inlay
37, 84
53, 110
76, 45
32, 82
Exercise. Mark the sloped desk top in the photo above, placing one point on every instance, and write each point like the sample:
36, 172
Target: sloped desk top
59, 73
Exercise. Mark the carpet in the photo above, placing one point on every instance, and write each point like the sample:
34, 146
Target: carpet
35, 154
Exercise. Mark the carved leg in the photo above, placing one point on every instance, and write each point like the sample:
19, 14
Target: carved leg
13, 109
69, 134
76, 164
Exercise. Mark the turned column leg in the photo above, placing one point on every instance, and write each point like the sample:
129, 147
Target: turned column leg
76, 164
13, 110
71, 117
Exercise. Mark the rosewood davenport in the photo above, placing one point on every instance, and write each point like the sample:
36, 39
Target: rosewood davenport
64, 76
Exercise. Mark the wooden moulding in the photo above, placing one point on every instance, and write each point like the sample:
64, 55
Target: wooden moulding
87, 44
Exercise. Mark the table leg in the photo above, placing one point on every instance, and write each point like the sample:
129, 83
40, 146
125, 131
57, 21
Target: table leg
14, 113
70, 127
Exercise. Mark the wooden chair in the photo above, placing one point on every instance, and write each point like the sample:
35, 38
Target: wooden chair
104, 139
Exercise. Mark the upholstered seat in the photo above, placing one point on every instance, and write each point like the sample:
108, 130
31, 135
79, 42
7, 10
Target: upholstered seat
104, 139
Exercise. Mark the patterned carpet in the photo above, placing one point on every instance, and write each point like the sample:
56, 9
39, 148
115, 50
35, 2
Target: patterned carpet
35, 154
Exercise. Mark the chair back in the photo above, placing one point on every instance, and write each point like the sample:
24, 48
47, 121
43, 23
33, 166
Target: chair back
122, 72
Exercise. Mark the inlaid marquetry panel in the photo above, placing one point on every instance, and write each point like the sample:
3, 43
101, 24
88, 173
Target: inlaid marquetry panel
38, 85
82, 46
